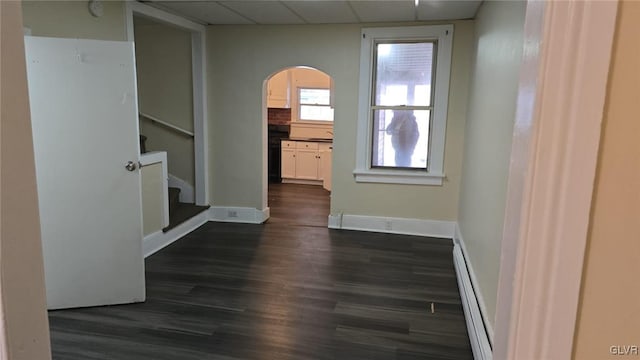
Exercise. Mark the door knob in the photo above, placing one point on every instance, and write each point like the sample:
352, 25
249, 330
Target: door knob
131, 166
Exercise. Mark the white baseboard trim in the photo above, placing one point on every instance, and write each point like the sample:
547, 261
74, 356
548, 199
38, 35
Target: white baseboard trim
335, 221
186, 190
302, 181
458, 239
152, 243
238, 214
434, 228
480, 332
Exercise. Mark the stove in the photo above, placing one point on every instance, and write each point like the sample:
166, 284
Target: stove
277, 133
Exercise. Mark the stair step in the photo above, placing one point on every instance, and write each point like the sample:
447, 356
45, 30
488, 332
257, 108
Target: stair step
182, 212
174, 197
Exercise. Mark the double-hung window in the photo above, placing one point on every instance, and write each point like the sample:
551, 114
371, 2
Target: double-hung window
404, 86
315, 104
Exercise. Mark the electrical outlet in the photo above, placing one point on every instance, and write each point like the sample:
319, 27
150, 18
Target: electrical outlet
387, 225
232, 214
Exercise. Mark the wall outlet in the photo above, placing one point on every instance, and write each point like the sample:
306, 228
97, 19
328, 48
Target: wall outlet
232, 214
387, 225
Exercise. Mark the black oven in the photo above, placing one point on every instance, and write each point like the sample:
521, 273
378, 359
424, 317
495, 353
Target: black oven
277, 133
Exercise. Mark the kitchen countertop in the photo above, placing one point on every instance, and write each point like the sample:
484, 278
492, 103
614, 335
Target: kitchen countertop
311, 140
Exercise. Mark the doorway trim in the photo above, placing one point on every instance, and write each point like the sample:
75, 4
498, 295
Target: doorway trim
198, 76
555, 151
265, 129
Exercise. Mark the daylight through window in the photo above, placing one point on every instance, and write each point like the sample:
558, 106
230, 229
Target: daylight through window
402, 104
402, 100
315, 104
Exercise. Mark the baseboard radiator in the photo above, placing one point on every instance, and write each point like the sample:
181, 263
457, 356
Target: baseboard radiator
475, 326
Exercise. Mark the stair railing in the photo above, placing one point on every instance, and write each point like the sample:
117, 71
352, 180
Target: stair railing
177, 129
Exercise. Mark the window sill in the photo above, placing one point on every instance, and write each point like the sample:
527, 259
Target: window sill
398, 177
323, 123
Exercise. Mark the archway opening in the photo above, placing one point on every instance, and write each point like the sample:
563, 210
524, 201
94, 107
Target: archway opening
299, 116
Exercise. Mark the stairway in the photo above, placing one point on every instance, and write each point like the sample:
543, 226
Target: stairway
180, 212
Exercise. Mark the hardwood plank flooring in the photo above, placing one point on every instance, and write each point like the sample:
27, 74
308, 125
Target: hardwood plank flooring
288, 289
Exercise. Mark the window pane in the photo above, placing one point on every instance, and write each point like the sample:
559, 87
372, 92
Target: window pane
400, 138
403, 74
313, 112
315, 96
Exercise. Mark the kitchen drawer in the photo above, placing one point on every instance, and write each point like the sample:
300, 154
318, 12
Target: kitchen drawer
325, 146
306, 145
286, 144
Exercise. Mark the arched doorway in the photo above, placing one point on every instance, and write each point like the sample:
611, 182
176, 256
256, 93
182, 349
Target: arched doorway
299, 117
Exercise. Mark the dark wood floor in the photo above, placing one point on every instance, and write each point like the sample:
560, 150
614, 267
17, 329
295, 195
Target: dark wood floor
298, 205
290, 289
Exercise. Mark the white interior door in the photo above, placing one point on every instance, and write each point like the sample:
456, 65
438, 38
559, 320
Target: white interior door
84, 117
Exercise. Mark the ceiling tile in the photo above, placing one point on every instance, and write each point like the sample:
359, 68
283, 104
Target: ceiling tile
264, 12
323, 12
447, 9
205, 11
318, 11
383, 11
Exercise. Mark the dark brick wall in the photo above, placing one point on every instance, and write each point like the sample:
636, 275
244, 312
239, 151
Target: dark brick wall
279, 116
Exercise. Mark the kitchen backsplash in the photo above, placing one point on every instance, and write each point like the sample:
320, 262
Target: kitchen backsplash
279, 116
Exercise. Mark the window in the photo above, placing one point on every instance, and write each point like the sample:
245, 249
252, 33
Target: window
404, 85
315, 104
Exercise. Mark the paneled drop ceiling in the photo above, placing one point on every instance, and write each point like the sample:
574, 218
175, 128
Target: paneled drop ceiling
318, 11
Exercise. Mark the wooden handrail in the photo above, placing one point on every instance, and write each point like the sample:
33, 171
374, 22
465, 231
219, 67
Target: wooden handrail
167, 125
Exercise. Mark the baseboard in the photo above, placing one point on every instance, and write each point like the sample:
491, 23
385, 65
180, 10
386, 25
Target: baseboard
152, 243
302, 182
335, 221
478, 332
434, 228
186, 190
458, 239
238, 214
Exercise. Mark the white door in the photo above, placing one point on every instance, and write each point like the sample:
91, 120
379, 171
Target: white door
84, 117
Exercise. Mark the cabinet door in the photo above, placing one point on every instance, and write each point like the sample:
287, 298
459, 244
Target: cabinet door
324, 152
278, 88
288, 163
307, 164
325, 166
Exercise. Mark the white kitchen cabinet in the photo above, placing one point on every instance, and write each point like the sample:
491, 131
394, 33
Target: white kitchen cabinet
288, 163
325, 151
306, 162
279, 90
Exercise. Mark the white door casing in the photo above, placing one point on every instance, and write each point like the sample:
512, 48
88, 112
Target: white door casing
199, 76
553, 162
83, 108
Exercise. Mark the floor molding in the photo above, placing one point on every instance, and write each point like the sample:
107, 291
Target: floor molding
302, 181
434, 228
480, 331
459, 240
238, 214
153, 243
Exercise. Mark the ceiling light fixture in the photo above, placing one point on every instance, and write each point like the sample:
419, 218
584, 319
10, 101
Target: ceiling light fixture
417, 3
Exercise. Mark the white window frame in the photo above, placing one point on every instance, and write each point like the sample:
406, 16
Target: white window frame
434, 174
300, 104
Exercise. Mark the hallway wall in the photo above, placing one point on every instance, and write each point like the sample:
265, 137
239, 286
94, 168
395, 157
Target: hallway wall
242, 57
488, 134
71, 19
165, 91
609, 312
